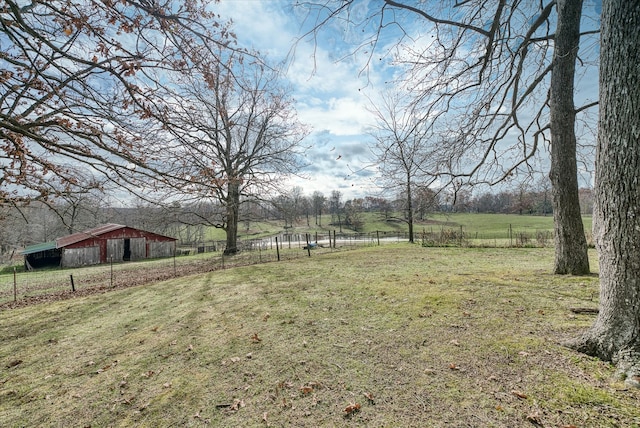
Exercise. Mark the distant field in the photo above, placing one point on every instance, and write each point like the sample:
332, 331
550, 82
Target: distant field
482, 226
391, 336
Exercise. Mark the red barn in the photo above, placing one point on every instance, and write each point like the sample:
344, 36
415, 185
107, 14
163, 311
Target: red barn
103, 244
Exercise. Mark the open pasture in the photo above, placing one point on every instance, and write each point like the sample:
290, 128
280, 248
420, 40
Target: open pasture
395, 335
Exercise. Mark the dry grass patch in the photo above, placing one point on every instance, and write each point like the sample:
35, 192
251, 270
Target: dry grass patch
388, 336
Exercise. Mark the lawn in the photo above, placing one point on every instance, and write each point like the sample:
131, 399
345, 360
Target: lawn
397, 335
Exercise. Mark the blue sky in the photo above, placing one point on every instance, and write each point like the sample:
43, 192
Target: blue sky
331, 91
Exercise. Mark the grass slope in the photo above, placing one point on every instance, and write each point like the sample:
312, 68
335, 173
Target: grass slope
487, 226
414, 336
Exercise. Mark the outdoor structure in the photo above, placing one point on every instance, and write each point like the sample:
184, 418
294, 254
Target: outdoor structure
103, 244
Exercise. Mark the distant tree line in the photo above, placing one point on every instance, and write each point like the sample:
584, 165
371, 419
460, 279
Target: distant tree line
39, 222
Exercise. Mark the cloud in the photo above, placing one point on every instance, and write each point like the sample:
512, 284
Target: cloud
338, 116
328, 87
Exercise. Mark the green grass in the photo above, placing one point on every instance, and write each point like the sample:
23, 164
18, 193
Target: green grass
499, 223
436, 336
489, 225
498, 228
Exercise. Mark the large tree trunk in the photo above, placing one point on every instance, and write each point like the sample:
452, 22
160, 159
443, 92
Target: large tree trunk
615, 335
571, 245
233, 204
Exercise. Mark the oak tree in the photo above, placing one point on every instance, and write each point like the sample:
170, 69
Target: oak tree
234, 137
77, 83
615, 334
495, 79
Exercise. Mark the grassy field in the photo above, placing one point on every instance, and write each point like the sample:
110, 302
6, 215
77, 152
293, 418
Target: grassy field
393, 336
486, 224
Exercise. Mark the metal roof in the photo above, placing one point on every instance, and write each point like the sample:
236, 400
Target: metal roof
36, 248
78, 237
81, 236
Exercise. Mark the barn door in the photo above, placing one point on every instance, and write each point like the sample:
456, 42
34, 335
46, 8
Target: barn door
137, 248
115, 250
126, 249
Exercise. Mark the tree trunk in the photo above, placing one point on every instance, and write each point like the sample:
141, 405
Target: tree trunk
615, 335
409, 208
570, 242
233, 204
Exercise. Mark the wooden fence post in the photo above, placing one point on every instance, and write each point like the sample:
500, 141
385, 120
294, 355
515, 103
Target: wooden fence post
73, 286
277, 249
510, 236
15, 286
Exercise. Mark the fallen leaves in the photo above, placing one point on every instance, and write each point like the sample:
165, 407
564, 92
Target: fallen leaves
519, 394
255, 338
310, 387
351, 409
369, 397
105, 368
306, 389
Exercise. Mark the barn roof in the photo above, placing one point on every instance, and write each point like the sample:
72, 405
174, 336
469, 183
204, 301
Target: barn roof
77, 237
81, 236
39, 247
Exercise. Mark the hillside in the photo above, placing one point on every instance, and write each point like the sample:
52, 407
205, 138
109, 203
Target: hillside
396, 335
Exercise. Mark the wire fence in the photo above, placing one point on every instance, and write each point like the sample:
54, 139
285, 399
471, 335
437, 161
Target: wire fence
20, 288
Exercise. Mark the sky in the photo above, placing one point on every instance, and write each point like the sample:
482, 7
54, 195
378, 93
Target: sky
330, 94
331, 89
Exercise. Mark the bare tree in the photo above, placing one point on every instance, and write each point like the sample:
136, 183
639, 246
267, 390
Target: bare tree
290, 204
77, 82
235, 136
336, 207
615, 334
571, 244
318, 201
425, 201
402, 151
353, 213
482, 70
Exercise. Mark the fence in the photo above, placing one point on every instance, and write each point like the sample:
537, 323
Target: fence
21, 288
